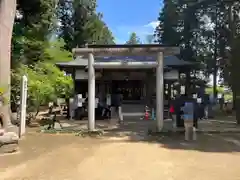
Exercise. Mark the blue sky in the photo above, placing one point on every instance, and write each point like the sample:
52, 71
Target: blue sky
126, 16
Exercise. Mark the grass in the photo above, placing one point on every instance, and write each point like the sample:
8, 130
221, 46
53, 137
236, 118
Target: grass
82, 133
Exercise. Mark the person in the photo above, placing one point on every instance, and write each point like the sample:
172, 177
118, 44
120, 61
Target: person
221, 101
116, 106
177, 104
188, 116
212, 103
200, 107
206, 102
172, 115
106, 111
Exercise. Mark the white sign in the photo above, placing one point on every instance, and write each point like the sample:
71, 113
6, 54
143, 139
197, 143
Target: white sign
219, 95
195, 96
79, 100
23, 106
182, 90
199, 100
96, 102
72, 108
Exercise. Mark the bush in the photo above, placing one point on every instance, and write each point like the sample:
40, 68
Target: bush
45, 83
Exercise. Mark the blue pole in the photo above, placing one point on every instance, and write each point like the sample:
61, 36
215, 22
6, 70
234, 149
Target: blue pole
153, 114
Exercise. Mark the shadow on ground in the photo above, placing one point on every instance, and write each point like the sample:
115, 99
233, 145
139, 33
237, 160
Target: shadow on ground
137, 131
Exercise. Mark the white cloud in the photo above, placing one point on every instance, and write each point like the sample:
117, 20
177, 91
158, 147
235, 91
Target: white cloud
152, 24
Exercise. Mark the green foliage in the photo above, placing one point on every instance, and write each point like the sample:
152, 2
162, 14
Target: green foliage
98, 31
210, 90
81, 24
45, 83
35, 22
133, 39
150, 39
34, 55
167, 31
37, 17
57, 53
3, 100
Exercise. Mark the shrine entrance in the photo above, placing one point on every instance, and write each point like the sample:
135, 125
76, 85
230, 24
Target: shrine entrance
157, 51
132, 90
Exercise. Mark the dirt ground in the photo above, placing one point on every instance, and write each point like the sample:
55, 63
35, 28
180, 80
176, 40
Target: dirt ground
67, 157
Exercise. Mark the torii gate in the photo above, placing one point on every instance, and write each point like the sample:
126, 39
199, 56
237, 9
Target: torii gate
155, 50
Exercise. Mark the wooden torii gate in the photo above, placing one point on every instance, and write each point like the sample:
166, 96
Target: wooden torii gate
155, 50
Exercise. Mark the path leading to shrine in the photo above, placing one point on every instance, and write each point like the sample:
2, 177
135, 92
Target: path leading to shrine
66, 157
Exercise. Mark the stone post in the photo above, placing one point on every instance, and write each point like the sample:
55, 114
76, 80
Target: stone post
23, 106
159, 92
91, 93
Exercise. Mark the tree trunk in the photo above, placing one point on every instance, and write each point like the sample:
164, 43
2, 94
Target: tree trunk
7, 16
235, 63
235, 77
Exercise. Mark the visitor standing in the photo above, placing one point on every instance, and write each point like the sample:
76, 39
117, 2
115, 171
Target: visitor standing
177, 104
117, 105
206, 103
172, 114
189, 110
221, 101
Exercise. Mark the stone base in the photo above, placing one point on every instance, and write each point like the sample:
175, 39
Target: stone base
8, 142
9, 148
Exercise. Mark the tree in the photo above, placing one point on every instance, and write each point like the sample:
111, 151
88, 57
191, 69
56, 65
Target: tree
82, 15
35, 22
235, 64
168, 30
98, 31
150, 38
80, 24
45, 83
7, 15
180, 25
133, 39
186, 23
56, 52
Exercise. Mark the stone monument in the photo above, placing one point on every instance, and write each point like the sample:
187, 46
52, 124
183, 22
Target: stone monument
23, 106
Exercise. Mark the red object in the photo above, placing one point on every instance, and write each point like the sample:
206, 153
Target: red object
146, 115
171, 110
